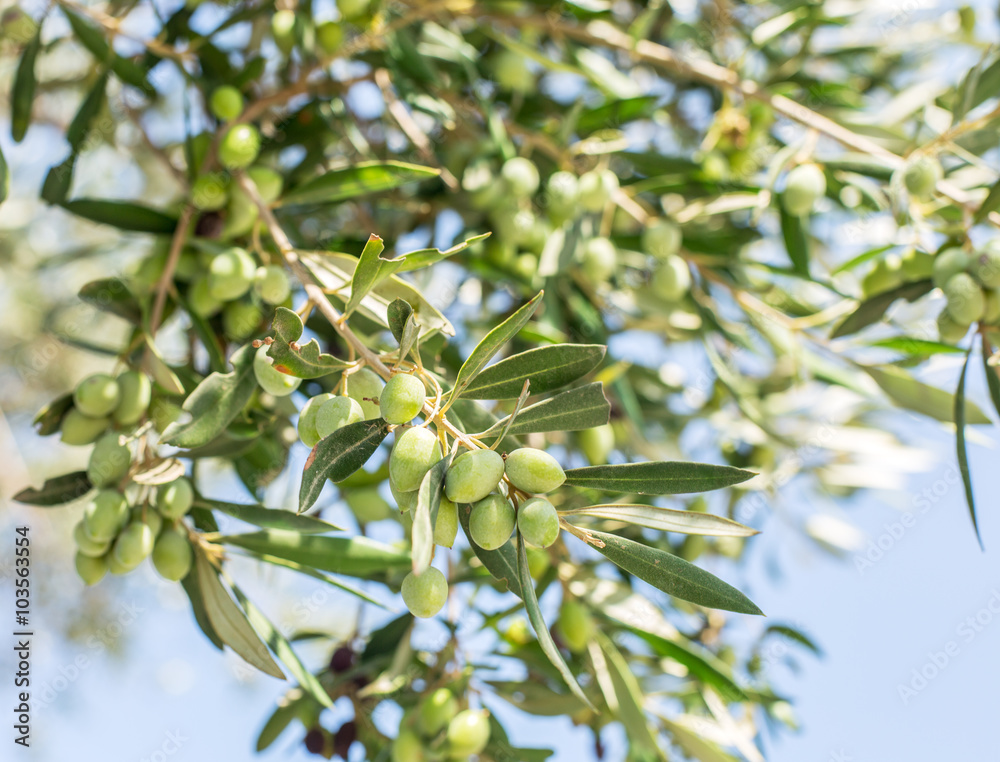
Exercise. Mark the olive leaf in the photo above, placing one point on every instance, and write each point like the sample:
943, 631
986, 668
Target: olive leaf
963, 456
398, 315
49, 419
352, 556
573, 410
269, 518
315, 574
215, 402
491, 344
93, 40
366, 274
124, 215
4, 178
302, 361
547, 368
665, 519
426, 512
657, 477
358, 180
500, 563
673, 575
58, 490
907, 392
338, 456
228, 622
112, 295
871, 310
22, 94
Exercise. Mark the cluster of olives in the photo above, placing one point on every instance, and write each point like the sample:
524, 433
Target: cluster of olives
437, 729
290, 29
114, 536
102, 401
970, 282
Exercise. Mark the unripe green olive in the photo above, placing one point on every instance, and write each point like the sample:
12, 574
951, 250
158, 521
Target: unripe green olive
538, 562
307, 419
596, 189
491, 521
330, 36
109, 461
174, 500
271, 284
402, 398
991, 313
921, 176
200, 299
97, 395
240, 319
148, 516
886, 275
599, 260
512, 72
468, 733
575, 625
563, 192
241, 215
105, 515
966, 302
672, 279
425, 594
985, 266
538, 522
367, 505
90, 569
917, 265
272, 381
115, 566
415, 451
949, 262
335, 414
226, 103
534, 471
804, 186
446, 525
87, 545
210, 192
405, 501
473, 476
407, 747
597, 443
240, 146
521, 176
353, 9
269, 182
949, 331
136, 392
134, 544
283, 30
172, 554
363, 387
661, 239
230, 274
436, 711
80, 429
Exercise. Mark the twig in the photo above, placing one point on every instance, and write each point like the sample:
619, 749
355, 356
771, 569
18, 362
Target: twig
163, 285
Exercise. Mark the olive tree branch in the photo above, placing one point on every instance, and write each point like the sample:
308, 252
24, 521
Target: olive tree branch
167, 278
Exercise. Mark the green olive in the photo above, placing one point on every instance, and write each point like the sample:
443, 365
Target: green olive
136, 392
109, 461
336, 413
415, 451
307, 419
597, 443
425, 594
491, 521
436, 711
272, 381
446, 525
473, 476
966, 302
86, 545
271, 284
241, 319
230, 274
105, 515
921, 176
804, 186
985, 267
210, 192
80, 429
661, 239
226, 103
521, 176
538, 522
330, 36
534, 471
402, 398
174, 500
134, 544
468, 733
512, 72
599, 260
239, 147
200, 299
367, 505
97, 395
172, 554
365, 388
949, 262
91, 569
575, 625
596, 189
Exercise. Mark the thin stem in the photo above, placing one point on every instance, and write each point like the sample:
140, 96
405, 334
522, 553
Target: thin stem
167, 278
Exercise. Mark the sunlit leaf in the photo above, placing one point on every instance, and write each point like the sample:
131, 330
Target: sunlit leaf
358, 180
907, 392
338, 456
547, 368
666, 519
353, 556
304, 360
657, 477
269, 518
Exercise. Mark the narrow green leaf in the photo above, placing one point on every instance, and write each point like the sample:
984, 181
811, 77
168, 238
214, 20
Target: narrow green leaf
398, 313
907, 392
269, 518
352, 556
278, 722
500, 563
338, 456
124, 215
410, 333
512, 418
963, 456
702, 664
4, 179
491, 344
48, 420
547, 368
866, 256
316, 574
793, 634
913, 347
279, 644
93, 40
538, 623
386, 639
657, 477
91, 106
666, 519
421, 258
59, 490
305, 361
357, 180
229, 622
22, 93
366, 273
112, 295
190, 585
426, 512
992, 379
154, 366
793, 231
628, 697
693, 744
673, 575
573, 410
871, 310
55, 187
215, 402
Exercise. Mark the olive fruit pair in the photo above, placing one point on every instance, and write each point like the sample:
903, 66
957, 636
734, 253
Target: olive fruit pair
324, 414
476, 473
101, 400
492, 520
467, 732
